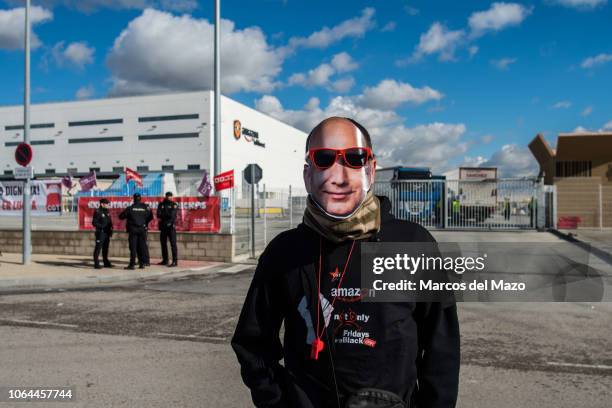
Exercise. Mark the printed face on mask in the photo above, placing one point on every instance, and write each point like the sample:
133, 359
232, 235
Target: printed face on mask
341, 187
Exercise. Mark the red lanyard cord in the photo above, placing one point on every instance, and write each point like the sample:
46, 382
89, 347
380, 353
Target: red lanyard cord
319, 334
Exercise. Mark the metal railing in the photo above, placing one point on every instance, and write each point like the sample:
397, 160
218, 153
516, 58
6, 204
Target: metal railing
462, 204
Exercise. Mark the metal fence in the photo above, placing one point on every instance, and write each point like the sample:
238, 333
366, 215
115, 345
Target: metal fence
276, 210
462, 204
452, 204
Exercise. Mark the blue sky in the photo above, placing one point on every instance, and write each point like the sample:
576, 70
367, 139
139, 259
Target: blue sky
438, 83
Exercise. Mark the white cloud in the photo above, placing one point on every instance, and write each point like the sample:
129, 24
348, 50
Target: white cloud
433, 144
470, 161
85, 92
607, 127
562, 105
77, 54
318, 76
389, 94
595, 61
580, 129
473, 50
390, 26
312, 113
438, 40
160, 52
322, 75
486, 139
411, 11
497, 17
12, 26
580, 4
343, 85
343, 62
513, 161
90, 6
587, 111
352, 28
503, 63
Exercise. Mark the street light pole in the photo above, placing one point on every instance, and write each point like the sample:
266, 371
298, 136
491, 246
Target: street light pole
27, 239
217, 85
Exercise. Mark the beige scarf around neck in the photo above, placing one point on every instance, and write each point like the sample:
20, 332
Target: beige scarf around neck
362, 223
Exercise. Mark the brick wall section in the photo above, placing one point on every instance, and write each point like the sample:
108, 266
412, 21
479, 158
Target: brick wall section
197, 247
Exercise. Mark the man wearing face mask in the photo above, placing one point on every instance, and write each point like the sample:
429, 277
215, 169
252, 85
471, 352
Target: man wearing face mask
338, 350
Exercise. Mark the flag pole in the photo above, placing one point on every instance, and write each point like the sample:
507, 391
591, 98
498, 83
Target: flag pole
217, 85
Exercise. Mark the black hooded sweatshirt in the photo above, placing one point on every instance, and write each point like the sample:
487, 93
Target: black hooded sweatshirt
387, 346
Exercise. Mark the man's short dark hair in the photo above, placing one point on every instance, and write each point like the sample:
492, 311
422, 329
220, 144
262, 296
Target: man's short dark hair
169, 194
104, 201
358, 125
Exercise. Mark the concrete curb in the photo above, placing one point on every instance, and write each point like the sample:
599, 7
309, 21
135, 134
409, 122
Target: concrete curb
100, 281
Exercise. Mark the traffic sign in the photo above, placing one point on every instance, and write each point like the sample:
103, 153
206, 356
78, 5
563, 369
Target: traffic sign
24, 172
23, 154
253, 173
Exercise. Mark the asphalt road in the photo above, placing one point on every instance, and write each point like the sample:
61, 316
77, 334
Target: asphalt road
166, 344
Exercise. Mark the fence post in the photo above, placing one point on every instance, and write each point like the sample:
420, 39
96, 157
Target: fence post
232, 210
554, 211
444, 205
265, 216
290, 209
600, 208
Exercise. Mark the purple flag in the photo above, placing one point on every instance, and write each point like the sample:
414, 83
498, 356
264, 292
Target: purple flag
67, 182
205, 187
88, 182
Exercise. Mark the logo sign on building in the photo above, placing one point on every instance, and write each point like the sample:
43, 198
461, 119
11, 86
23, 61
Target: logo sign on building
45, 195
224, 180
237, 129
249, 135
477, 173
196, 214
23, 154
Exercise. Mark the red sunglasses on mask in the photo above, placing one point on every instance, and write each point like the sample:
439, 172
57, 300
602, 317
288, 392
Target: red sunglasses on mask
353, 157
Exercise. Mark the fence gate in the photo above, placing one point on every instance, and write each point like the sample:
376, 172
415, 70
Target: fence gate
420, 201
461, 204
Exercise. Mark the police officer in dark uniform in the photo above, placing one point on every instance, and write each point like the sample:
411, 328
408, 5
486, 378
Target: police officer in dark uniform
137, 216
166, 219
104, 230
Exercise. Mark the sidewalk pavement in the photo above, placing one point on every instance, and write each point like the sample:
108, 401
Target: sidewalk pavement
48, 272
599, 241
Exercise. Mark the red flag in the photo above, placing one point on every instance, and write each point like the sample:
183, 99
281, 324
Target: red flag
133, 175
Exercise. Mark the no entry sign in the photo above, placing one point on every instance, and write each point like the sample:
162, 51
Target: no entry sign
23, 154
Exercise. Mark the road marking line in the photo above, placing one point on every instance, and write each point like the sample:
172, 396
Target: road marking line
37, 323
576, 365
235, 268
220, 324
190, 336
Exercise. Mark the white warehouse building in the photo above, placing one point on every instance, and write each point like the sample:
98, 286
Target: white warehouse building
171, 133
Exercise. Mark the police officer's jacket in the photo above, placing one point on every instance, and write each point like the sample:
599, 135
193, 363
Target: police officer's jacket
102, 221
166, 214
137, 216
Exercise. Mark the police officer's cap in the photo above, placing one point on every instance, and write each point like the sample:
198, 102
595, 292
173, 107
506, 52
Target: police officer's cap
169, 194
136, 196
104, 201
